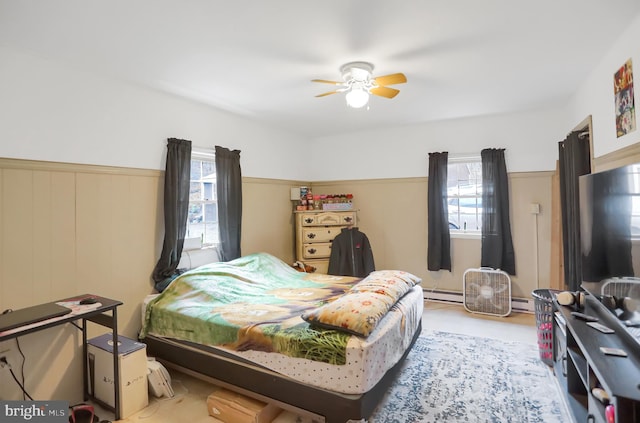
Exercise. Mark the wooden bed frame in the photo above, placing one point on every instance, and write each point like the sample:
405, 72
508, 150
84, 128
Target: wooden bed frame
335, 407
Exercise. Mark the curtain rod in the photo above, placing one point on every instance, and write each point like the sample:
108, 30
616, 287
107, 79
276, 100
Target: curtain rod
581, 134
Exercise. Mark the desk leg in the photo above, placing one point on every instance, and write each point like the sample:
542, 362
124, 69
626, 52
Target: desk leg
85, 383
116, 364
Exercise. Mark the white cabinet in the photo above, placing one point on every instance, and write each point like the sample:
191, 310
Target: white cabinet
314, 232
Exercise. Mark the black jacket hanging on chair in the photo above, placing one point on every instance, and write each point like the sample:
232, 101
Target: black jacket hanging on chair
351, 254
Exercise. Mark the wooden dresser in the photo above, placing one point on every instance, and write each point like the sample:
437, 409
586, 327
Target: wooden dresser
315, 229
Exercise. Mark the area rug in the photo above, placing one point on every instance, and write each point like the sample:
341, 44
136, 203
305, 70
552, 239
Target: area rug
458, 378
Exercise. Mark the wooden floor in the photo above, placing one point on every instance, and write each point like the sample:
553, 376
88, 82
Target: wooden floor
189, 404
520, 327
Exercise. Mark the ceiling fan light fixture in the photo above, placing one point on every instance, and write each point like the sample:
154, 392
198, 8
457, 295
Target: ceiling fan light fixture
357, 98
356, 71
358, 84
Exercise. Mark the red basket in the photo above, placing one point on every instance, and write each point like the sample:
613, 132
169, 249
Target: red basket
543, 300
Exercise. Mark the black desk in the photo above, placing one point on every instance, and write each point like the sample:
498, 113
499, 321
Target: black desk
93, 314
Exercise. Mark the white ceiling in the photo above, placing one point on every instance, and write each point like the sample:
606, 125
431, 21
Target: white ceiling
256, 58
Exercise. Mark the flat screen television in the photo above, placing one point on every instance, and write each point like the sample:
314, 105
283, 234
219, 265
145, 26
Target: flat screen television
610, 231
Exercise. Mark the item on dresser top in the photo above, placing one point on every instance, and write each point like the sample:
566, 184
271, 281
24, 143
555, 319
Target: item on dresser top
351, 254
337, 206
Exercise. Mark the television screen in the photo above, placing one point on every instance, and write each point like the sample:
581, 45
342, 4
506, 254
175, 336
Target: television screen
610, 227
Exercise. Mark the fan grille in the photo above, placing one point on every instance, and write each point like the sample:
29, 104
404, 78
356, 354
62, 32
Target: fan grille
487, 291
620, 288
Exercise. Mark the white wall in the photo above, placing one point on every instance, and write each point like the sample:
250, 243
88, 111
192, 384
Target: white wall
51, 112
595, 96
55, 113
530, 140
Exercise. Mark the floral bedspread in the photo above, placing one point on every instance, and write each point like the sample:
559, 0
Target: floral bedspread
251, 303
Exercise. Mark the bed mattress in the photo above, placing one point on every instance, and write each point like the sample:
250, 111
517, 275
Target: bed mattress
367, 359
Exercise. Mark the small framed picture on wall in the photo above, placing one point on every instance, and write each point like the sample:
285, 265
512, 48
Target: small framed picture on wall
625, 108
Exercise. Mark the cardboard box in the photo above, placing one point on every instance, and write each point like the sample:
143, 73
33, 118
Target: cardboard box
132, 359
231, 407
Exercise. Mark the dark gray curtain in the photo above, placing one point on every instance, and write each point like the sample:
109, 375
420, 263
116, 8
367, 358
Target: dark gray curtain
574, 161
229, 191
497, 246
176, 207
439, 241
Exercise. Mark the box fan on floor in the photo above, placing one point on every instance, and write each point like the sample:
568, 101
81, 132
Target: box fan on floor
487, 291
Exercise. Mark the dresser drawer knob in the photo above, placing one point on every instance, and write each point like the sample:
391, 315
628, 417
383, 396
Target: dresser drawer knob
311, 235
308, 220
311, 251
348, 219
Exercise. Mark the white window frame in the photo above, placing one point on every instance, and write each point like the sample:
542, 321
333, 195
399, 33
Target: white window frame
207, 155
463, 233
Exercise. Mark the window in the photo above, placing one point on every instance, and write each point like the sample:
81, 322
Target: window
464, 194
202, 221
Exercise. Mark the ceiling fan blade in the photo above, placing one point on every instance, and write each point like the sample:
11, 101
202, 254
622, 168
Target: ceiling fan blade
385, 92
395, 78
324, 81
329, 93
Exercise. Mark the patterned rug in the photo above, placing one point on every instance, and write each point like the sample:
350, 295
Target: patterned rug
457, 378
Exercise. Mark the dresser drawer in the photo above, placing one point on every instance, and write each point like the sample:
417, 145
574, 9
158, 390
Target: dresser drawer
322, 266
328, 218
327, 234
318, 250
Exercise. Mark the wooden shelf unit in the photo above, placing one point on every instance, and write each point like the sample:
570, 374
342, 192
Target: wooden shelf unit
580, 366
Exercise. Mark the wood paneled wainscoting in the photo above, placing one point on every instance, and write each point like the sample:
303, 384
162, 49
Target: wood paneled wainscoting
69, 228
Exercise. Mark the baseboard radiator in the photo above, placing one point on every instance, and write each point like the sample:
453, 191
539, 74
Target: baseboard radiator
521, 305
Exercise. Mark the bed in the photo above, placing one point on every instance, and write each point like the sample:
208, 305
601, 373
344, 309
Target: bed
329, 345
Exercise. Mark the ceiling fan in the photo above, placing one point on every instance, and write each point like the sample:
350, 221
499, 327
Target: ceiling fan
358, 83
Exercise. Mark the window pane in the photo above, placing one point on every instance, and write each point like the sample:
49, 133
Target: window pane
470, 222
203, 211
195, 191
195, 213
464, 190
211, 213
211, 233
208, 170
454, 221
196, 170
208, 191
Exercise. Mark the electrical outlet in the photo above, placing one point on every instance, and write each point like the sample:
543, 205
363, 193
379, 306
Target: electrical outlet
6, 356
